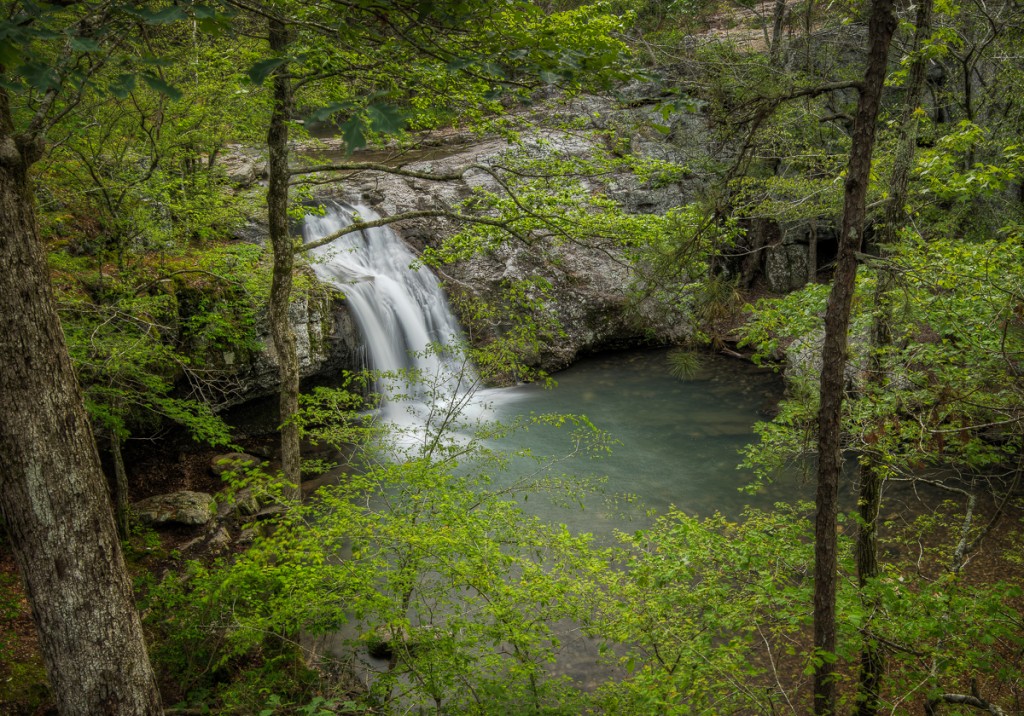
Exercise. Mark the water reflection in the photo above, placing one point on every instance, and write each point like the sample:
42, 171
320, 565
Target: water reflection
680, 439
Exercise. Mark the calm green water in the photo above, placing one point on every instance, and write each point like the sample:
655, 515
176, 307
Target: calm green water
680, 439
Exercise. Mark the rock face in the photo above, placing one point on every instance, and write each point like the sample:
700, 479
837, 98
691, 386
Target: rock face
328, 342
785, 267
803, 358
185, 507
590, 290
589, 299
591, 293
243, 166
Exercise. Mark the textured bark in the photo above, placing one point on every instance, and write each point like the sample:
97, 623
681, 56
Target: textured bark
906, 148
872, 663
53, 494
778, 18
812, 252
122, 505
869, 501
881, 26
284, 259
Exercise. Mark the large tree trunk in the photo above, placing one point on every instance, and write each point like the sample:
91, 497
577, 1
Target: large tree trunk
53, 493
872, 472
881, 26
284, 260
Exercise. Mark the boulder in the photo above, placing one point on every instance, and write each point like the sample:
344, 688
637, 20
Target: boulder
185, 507
785, 267
242, 166
234, 461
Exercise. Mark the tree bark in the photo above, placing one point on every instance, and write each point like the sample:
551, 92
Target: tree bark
778, 18
284, 260
812, 252
122, 507
872, 472
881, 26
53, 494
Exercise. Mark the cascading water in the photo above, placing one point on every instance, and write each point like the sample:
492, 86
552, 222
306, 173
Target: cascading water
402, 313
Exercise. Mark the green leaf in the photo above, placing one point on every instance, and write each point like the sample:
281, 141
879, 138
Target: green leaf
262, 69
160, 17
8, 53
324, 113
352, 131
493, 69
214, 28
41, 77
158, 85
206, 12
122, 85
385, 118
84, 44
42, 33
156, 61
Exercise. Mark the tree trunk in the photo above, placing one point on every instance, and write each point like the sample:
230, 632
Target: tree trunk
833, 353
284, 260
812, 252
872, 663
778, 19
872, 472
122, 507
53, 494
906, 149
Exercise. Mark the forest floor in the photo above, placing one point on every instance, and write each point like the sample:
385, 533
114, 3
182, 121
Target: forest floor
153, 470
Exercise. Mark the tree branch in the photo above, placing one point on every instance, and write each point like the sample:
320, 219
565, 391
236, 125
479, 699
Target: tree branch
385, 221
931, 707
379, 167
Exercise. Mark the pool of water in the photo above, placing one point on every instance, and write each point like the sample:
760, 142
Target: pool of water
679, 439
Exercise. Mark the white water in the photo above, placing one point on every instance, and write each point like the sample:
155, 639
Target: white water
406, 323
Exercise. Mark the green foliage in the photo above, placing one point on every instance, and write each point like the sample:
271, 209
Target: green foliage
683, 364
696, 607
776, 322
133, 334
9, 607
421, 553
23, 683
707, 615
548, 202
950, 389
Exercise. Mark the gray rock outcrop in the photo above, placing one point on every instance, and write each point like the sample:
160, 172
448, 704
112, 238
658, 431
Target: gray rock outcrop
185, 507
591, 290
327, 341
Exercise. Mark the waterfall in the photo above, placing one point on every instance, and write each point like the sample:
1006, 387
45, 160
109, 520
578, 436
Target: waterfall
402, 313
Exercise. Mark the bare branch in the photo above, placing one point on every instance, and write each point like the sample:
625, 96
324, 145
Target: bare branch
387, 220
379, 167
931, 707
